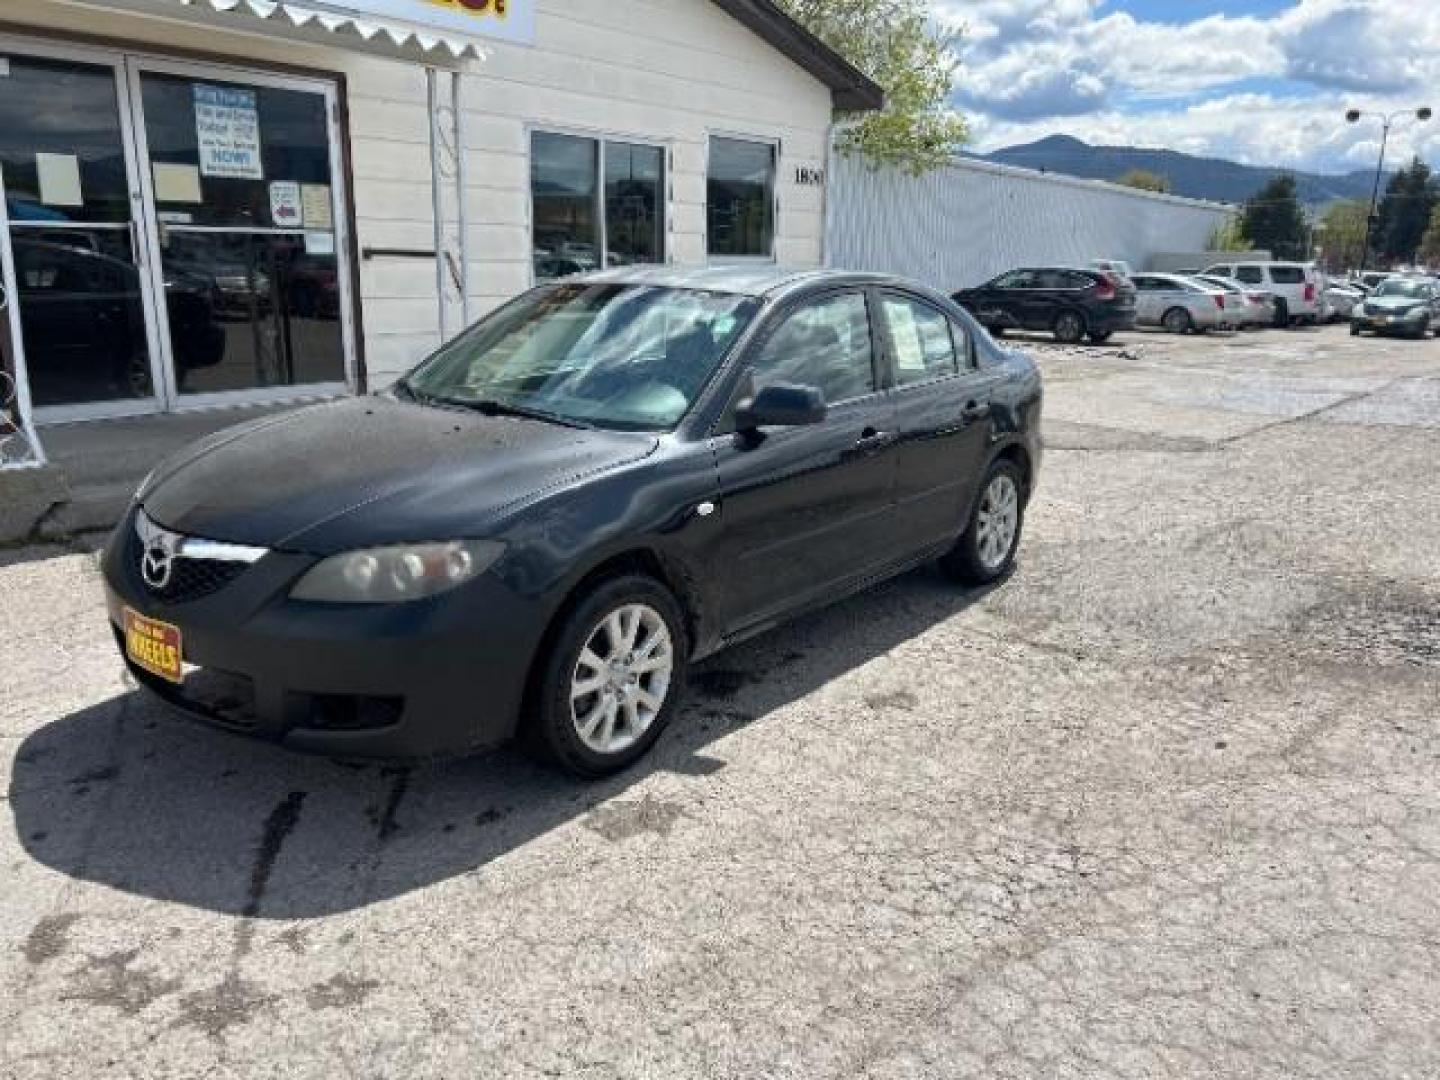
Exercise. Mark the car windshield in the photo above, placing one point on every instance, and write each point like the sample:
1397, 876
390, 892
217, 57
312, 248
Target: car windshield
631, 357
1413, 290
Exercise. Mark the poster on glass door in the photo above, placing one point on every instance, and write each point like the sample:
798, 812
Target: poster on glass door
227, 125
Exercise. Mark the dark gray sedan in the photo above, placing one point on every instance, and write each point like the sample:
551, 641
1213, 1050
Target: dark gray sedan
540, 526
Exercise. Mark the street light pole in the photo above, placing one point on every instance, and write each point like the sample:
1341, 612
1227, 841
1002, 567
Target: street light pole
1386, 120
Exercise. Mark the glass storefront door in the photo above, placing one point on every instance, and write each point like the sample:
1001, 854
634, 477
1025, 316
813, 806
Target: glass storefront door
67, 177
176, 233
242, 178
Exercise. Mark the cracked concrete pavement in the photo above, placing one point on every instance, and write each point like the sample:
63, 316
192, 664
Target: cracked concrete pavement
1162, 805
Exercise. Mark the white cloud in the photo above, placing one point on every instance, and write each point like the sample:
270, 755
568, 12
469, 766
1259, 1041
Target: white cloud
1034, 67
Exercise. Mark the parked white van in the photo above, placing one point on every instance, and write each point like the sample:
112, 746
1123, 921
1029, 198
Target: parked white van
1297, 286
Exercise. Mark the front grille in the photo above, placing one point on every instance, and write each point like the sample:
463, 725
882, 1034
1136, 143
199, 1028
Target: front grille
191, 576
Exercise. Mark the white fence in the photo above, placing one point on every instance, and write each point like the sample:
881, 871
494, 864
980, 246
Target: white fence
961, 225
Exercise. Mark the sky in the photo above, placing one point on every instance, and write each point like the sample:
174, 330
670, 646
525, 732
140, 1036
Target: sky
1265, 82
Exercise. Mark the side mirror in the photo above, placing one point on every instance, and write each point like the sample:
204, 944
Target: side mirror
781, 405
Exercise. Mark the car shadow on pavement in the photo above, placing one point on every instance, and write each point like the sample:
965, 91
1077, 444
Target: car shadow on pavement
128, 795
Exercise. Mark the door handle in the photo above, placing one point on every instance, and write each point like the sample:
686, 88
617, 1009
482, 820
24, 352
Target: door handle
975, 410
872, 440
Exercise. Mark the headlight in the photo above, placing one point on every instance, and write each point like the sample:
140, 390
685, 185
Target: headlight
394, 575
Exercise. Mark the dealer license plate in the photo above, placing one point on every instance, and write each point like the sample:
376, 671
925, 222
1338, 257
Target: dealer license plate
154, 646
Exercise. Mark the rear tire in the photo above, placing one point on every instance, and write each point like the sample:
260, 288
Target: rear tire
1178, 321
1354, 329
986, 550
1098, 337
1069, 327
569, 722
1282, 314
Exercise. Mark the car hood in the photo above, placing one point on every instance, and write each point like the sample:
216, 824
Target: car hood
371, 471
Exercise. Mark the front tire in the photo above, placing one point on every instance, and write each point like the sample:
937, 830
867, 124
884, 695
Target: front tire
614, 674
1098, 337
986, 550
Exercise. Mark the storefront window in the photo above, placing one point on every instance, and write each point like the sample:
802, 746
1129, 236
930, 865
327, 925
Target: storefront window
634, 207
582, 224
741, 199
234, 155
564, 175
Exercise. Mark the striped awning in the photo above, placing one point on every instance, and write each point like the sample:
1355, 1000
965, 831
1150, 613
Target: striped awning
314, 19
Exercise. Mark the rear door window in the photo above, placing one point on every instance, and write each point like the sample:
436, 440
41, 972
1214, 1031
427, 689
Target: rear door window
1286, 275
920, 340
1250, 275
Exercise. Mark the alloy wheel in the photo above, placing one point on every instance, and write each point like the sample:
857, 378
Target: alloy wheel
998, 520
622, 678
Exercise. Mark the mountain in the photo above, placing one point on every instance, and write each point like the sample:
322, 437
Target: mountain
1195, 177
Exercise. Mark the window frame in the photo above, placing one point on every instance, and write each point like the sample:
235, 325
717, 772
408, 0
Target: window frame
777, 146
601, 138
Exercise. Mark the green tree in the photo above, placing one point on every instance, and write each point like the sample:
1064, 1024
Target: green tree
1430, 242
1228, 236
1274, 221
913, 57
1342, 234
1404, 214
1145, 180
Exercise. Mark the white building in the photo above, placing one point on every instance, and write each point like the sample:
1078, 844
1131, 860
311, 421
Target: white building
214, 202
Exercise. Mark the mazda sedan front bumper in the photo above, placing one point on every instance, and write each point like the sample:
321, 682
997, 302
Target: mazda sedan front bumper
430, 679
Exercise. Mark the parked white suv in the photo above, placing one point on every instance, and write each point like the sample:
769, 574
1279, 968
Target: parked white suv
1299, 294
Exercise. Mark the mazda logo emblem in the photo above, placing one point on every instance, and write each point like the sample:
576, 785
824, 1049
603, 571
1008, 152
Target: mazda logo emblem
157, 564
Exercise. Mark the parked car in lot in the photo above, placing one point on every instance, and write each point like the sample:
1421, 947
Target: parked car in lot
1409, 306
1296, 286
1180, 304
1246, 307
1373, 278
544, 523
1340, 301
1070, 303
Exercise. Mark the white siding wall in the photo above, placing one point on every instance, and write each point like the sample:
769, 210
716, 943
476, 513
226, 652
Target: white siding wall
668, 71
960, 226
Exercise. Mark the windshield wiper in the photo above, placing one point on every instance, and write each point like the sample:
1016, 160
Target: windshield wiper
490, 407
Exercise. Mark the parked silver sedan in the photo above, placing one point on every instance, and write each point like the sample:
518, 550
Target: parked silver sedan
1247, 305
1180, 304
1341, 301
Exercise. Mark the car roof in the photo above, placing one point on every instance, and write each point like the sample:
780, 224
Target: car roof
757, 281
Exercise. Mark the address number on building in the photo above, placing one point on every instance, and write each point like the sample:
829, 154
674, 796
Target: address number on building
809, 176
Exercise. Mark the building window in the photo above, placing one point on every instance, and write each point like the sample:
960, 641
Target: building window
634, 204
741, 199
582, 224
